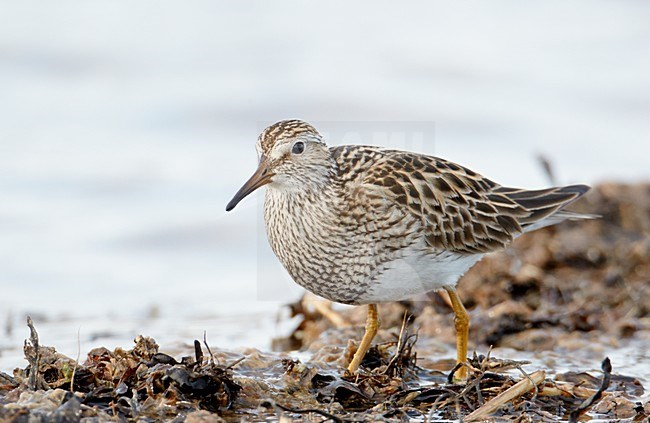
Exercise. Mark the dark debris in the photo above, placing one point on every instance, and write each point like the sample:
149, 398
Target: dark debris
580, 286
123, 384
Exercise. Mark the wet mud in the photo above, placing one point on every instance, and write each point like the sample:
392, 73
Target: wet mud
581, 288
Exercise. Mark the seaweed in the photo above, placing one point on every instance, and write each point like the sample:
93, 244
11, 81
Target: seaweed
135, 383
578, 288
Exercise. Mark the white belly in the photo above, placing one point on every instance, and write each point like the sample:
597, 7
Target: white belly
418, 274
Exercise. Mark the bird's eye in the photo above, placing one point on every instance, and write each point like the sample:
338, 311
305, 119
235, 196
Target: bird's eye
298, 147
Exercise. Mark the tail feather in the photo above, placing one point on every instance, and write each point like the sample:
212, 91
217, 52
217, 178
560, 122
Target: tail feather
546, 205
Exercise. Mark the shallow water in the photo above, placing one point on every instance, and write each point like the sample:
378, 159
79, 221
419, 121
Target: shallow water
125, 130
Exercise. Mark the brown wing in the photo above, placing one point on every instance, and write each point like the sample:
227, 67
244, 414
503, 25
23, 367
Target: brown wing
461, 210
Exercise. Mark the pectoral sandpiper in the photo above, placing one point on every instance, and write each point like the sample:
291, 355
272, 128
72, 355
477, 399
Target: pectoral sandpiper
364, 225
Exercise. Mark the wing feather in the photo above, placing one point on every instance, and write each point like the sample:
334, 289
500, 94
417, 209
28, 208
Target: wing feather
459, 209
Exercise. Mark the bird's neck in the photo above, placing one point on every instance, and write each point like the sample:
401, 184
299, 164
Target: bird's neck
310, 203
292, 200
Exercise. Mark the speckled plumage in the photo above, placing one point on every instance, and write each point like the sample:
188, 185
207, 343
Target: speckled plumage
354, 213
361, 225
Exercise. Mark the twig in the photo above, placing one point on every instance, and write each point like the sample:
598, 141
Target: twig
444, 400
76, 363
515, 391
234, 363
607, 373
527, 376
474, 382
198, 353
479, 395
439, 403
401, 343
35, 358
205, 342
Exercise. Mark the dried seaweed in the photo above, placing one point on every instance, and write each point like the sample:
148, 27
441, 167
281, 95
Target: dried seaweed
140, 382
580, 287
587, 403
144, 383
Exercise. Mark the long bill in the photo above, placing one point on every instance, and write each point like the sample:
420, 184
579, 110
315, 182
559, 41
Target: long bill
261, 177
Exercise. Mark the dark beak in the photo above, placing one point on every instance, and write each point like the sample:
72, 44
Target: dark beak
262, 176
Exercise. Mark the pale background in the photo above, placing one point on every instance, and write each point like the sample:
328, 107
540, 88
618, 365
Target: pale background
125, 128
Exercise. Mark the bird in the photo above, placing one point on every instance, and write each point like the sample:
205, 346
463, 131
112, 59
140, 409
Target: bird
364, 225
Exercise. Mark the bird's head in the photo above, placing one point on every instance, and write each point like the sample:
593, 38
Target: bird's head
292, 158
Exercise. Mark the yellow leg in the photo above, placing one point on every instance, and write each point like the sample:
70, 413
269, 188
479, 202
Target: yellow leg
461, 321
372, 324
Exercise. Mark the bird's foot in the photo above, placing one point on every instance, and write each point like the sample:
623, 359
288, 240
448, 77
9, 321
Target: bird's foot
458, 374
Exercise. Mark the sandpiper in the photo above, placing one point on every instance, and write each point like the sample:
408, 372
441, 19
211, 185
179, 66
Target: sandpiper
364, 225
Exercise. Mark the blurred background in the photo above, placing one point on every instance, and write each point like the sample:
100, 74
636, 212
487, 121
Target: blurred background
125, 128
